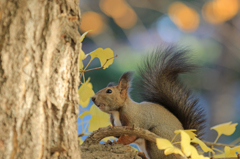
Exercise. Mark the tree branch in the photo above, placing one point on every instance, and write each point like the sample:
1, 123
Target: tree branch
101, 133
217, 144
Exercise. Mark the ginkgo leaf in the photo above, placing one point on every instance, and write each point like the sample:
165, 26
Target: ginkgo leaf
83, 114
202, 145
163, 143
231, 152
194, 153
173, 150
103, 56
85, 93
83, 35
98, 119
80, 140
108, 138
177, 131
185, 143
203, 157
167, 145
191, 133
219, 155
236, 149
226, 128
228, 152
82, 57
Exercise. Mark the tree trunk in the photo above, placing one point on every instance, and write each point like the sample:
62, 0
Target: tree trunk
39, 49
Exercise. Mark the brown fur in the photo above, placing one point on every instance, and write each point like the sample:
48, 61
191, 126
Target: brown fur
126, 139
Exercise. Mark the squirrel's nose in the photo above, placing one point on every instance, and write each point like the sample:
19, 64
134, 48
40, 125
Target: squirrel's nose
93, 99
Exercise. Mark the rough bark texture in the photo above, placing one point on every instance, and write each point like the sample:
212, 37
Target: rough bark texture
39, 46
105, 151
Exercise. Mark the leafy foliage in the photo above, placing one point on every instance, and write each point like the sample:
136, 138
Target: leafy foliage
98, 118
187, 137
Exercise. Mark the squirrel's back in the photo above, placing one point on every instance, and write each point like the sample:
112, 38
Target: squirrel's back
160, 84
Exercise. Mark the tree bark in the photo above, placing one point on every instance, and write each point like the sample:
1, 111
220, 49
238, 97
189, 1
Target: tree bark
39, 51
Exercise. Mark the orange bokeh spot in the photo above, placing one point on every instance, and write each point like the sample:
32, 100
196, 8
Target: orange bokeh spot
218, 11
119, 10
113, 8
128, 20
92, 21
184, 17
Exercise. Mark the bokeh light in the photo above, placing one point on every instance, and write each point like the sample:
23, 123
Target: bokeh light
113, 8
184, 17
92, 21
167, 30
219, 11
127, 20
123, 15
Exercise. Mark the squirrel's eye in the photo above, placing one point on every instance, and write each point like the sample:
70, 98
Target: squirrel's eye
109, 91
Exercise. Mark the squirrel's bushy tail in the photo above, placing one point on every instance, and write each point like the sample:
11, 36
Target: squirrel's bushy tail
160, 84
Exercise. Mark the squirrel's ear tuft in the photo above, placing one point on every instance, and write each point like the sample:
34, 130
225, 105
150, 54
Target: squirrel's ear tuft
125, 81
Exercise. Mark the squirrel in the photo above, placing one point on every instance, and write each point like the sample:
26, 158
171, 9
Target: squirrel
168, 105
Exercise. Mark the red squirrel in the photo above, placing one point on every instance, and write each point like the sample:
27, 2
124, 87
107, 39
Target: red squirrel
168, 105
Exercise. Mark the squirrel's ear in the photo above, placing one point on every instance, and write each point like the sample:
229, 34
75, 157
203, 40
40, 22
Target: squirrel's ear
125, 81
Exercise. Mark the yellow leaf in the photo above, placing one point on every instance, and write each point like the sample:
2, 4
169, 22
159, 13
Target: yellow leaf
135, 148
82, 115
98, 119
108, 138
236, 149
85, 93
185, 143
231, 129
202, 145
103, 56
163, 143
226, 128
191, 133
231, 152
83, 35
167, 145
80, 140
219, 155
82, 57
202, 157
177, 131
172, 150
194, 153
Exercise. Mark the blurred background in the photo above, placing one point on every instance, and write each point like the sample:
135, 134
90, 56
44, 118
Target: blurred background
209, 28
